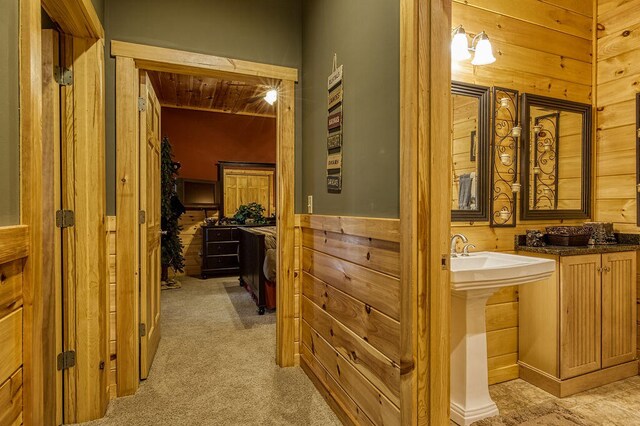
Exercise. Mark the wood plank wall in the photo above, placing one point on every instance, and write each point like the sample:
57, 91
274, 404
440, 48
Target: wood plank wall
14, 248
350, 314
191, 236
617, 84
542, 47
111, 262
297, 279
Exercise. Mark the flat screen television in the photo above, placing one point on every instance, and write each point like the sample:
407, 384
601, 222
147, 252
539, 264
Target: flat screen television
198, 194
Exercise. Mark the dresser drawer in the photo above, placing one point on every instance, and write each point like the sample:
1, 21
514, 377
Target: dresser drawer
222, 261
225, 234
224, 247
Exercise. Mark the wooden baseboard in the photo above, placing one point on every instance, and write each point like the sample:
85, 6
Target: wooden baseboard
328, 396
564, 388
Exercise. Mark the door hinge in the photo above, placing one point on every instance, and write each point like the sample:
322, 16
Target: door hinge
63, 76
143, 329
142, 217
65, 218
66, 360
142, 104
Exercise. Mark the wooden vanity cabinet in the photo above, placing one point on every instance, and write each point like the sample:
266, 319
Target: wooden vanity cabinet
578, 328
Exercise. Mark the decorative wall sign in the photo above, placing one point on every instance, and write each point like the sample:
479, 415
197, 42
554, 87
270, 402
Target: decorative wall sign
335, 97
334, 161
504, 158
335, 120
335, 78
335, 93
334, 183
334, 140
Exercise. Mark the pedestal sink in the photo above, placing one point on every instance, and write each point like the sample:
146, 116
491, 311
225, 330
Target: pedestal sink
474, 279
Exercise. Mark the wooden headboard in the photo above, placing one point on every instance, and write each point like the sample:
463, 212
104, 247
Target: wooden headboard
244, 183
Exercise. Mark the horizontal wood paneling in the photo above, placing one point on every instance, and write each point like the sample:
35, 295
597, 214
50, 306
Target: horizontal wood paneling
10, 287
618, 82
11, 400
111, 256
11, 348
543, 47
14, 243
350, 295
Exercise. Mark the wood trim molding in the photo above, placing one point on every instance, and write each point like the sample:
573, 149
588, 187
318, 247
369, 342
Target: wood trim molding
129, 59
127, 231
75, 17
218, 110
379, 229
170, 60
14, 243
425, 294
31, 195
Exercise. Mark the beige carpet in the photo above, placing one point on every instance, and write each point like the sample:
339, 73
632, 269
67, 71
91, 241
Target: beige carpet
215, 366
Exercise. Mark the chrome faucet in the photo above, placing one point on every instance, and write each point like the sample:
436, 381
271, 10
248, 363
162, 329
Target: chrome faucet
454, 252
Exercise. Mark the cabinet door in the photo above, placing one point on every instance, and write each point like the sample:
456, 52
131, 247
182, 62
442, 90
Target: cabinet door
580, 315
618, 308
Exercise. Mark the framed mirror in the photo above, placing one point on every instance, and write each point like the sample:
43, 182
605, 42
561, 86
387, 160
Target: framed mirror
471, 110
556, 160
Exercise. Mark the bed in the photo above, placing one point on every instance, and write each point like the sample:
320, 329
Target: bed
257, 257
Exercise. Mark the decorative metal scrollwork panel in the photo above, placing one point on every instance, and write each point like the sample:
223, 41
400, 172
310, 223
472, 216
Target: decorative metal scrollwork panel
545, 161
504, 158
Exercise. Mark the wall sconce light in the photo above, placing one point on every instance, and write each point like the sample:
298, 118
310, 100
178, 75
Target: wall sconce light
537, 129
504, 102
271, 97
516, 131
480, 45
505, 159
515, 187
547, 146
504, 213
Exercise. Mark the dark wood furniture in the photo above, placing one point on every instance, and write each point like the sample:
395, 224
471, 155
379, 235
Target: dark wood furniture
251, 256
219, 250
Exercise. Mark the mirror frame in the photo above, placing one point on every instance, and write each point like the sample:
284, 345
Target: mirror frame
483, 142
526, 213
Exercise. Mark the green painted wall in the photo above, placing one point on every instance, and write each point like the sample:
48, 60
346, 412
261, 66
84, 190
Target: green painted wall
99, 6
365, 35
9, 114
267, 31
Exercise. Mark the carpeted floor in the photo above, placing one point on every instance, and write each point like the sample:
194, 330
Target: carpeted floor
215, 366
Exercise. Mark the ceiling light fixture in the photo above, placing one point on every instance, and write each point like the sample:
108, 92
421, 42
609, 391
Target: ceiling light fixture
480, 46
271, 97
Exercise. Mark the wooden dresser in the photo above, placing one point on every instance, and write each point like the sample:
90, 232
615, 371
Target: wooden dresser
219, 250
578, 328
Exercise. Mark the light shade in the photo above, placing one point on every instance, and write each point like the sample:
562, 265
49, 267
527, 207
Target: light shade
460, 45
484, 51
271, 97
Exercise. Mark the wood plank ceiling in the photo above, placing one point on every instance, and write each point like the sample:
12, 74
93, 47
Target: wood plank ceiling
211, 94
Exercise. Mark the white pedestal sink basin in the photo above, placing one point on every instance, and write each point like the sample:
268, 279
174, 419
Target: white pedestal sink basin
474, 279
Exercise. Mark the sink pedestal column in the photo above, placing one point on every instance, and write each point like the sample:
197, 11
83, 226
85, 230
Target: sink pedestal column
470, 399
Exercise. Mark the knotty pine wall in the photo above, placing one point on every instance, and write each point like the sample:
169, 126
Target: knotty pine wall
617, 83
542, 47
350, 314
13, 251
111, 262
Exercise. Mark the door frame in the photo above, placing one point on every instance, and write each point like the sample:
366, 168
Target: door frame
130, 59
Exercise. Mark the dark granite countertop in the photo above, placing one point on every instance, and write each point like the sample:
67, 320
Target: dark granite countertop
626, 242
579, 250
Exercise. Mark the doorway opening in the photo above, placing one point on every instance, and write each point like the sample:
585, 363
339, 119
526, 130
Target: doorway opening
148, 80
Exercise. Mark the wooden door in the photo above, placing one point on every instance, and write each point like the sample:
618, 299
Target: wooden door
579, 315
150, 225
618, 308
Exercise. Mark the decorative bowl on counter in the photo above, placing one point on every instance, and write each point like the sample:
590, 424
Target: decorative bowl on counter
569, 235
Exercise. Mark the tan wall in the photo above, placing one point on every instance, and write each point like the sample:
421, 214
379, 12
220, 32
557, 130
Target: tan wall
350, 314
13, 250
617, 74
542, 47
